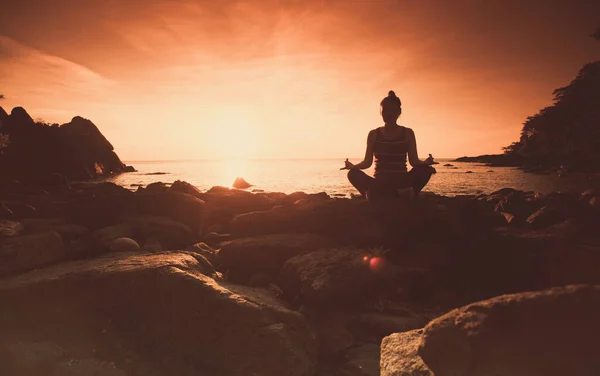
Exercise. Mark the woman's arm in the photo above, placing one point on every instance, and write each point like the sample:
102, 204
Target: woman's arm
368, 161
413, 155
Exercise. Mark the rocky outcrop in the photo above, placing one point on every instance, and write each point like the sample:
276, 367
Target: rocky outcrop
76, 149
148, 315
399, 355
552, 332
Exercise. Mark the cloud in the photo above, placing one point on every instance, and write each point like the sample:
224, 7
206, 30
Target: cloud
29, 73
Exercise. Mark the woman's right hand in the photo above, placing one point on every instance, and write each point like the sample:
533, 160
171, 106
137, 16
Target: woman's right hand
348, 165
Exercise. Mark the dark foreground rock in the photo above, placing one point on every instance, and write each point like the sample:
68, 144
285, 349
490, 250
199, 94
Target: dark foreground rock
146, 315
553, 332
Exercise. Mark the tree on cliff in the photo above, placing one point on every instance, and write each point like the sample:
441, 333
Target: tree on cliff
3, 137
568, 131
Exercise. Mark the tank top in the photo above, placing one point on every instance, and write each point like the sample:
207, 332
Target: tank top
390, 154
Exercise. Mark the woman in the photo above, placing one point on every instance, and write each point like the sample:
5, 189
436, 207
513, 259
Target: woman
390, 146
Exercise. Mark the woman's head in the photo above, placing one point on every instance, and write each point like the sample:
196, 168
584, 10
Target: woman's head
391, 108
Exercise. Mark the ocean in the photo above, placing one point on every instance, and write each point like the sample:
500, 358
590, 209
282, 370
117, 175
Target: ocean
324, 175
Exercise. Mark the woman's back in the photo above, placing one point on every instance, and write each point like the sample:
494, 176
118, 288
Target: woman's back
390, 153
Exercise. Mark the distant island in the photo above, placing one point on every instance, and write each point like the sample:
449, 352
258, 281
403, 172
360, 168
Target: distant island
34, 150
563, 136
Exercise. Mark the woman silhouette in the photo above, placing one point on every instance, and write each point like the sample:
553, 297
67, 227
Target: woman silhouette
390, 146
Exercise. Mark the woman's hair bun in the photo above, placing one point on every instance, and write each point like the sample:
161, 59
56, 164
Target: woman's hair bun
392, 100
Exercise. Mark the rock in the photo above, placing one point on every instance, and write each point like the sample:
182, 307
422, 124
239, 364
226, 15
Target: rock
153, 245
76, 150
34, 358
180, 207
172, 234
448, 165
99, 210
129, 169
399, 355
374, 327
20, 210
333, 278
332, 333
5, 212
110, 233
215, 239
547, 216
185, 187
9, 228
222, 204
22, 253
240, 183
267, 253
368, 224
364, 360
102, 189
154, 314
595, 202
519, 204
551, 332
259, 280
123, 245
510, 218
203, 249
67, 231
156, 187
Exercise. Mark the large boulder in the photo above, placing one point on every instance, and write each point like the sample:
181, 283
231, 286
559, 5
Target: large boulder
180, 207
368, 224
222, 204
551, 332
22, 253
149, 314
183, 187
520, 204
399, 355
337, 277
267, 253
173, 234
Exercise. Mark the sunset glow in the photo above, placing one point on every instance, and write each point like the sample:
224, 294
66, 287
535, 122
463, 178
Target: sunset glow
287, 79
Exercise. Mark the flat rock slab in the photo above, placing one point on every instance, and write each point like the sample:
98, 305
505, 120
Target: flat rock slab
149, 314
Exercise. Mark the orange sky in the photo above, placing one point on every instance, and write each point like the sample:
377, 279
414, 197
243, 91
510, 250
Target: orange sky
191, 79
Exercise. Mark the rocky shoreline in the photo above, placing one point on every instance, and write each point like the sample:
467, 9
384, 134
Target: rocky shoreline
98, 279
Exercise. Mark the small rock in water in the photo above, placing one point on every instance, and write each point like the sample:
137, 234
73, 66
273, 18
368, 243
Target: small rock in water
469, 172
448, 165
240, 183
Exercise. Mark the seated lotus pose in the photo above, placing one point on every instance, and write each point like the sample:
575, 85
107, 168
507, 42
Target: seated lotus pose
390, 145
